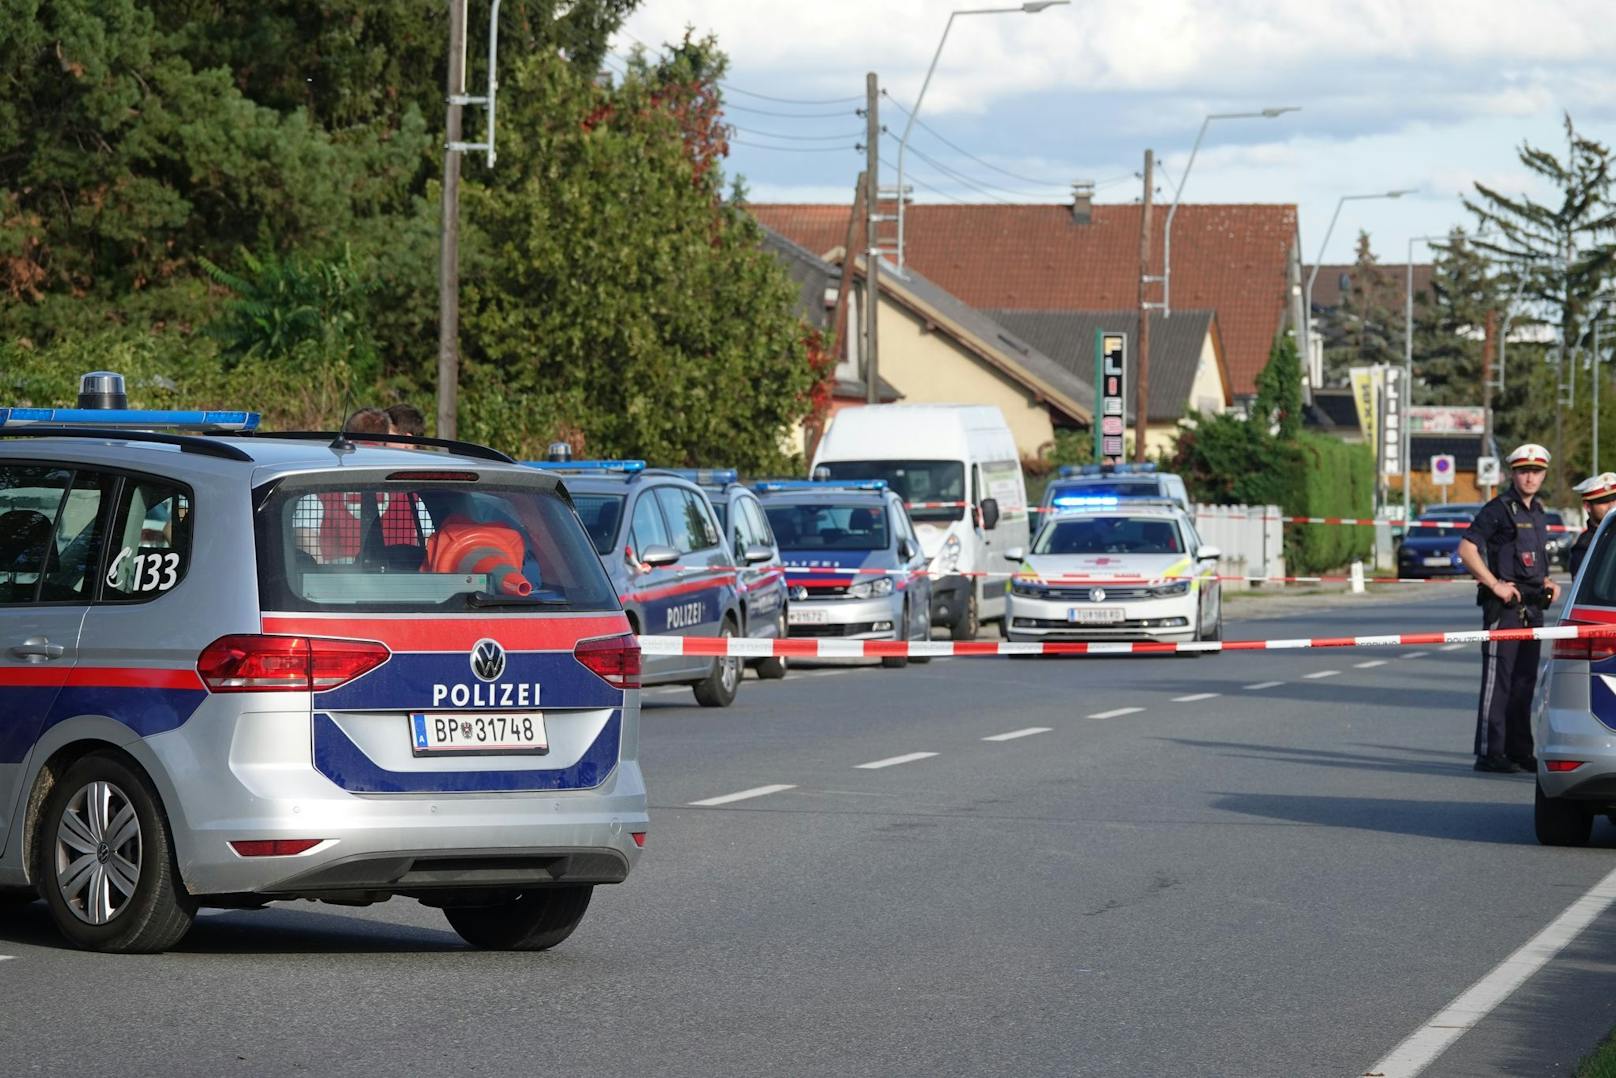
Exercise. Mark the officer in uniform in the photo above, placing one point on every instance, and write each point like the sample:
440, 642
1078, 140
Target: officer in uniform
1598, 495
1505, 549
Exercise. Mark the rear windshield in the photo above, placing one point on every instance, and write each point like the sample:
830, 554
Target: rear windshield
601, 514
913, 481
1110, 535
828, 527
371, 545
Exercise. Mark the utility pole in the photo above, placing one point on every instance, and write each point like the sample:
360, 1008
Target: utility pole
1487, 345
1141, 407
449, 248
872, 253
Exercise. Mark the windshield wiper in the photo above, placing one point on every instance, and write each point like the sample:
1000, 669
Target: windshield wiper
485, 600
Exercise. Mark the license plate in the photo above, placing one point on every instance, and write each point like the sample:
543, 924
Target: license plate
1101, 615
1436, 561
808, 617
435, 732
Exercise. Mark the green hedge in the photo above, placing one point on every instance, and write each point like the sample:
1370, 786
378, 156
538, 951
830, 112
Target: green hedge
1331, 479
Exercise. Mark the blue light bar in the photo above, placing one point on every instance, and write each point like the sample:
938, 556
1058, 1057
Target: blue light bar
628, 466
1073, 501
127, 419
707, 477
1072, 471
772, 486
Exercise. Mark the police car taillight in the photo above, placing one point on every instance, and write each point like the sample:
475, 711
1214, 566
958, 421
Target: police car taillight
286, 663
614, 659
1587, 649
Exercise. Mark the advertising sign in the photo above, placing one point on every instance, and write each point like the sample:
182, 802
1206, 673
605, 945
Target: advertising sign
1364, 390
1110, 395
1446, 419
1392, 412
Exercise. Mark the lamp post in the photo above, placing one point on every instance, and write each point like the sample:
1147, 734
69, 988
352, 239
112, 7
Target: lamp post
1307, 298
1408, 369
1031, 7
1167, 236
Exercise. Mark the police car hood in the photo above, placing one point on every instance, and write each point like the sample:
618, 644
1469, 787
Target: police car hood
1111, 566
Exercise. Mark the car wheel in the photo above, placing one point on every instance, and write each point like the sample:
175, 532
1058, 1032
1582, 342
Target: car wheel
969, 623
106, 862
898, 662
718, 688
1560, 822
925, 634
528, 921
774, 667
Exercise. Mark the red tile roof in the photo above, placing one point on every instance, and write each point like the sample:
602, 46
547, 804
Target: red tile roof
1232, 259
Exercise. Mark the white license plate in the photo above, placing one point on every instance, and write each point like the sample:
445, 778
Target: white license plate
1101, 615
434, 732
808, 617
1437, 561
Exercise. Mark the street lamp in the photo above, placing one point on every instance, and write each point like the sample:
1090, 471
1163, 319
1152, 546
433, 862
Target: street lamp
1031, 7
1167, 237
1307, 300
1408, 367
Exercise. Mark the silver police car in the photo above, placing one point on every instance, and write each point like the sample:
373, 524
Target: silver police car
240, 668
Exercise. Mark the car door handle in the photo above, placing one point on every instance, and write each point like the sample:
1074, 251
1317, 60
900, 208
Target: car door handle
37, 649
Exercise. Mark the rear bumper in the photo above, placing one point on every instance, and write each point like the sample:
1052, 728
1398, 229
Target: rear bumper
1564, 728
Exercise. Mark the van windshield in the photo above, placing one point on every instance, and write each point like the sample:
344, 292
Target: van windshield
912, 480
379, 545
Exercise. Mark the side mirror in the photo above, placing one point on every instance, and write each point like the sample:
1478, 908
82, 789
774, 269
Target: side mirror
757, 552
1015, 553
906, 549
1208, 553
990, 513
659, 557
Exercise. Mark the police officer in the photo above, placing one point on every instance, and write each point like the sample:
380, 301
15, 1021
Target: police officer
1598, 495
1505, 549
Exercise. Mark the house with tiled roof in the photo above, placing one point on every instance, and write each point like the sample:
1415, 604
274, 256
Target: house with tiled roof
1239, 262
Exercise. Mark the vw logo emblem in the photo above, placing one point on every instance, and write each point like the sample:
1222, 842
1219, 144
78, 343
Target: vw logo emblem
1096, 595
799, 592
487, 660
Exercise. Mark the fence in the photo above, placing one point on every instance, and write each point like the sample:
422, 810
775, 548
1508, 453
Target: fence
1251, 537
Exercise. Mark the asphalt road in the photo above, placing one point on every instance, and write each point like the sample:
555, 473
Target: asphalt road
1277, 863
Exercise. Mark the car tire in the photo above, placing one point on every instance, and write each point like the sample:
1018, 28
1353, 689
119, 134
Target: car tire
123, 893
529, 921
925, 634
969, 623
898, 662
719, 687
1560, 822
774, 667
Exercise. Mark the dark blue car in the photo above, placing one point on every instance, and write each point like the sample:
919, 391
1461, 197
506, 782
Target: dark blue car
1431, 547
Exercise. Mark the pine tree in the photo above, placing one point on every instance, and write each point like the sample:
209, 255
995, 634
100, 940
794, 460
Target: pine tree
1365, 328
1450, 321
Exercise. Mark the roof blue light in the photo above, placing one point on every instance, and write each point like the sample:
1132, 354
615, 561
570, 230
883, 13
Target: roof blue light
1073, 501
1072, 471
707, 477
629, 467
771, 486
127, 419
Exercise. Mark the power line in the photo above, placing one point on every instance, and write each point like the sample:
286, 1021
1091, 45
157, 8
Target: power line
763, 97
799, 138
795, 149
728, 107
981, 186
966, 153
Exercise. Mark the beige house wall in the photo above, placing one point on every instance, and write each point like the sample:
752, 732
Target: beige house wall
930, 367
1206, 394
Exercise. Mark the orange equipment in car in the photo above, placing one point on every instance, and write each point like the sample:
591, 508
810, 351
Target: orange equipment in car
462, 545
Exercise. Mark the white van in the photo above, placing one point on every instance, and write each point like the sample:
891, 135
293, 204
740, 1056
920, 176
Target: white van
961, 456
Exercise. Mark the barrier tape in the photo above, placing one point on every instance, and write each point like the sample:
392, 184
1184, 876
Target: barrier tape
1130, 581
1362, 522
830, 648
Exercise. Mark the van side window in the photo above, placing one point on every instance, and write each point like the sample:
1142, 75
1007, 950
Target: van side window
151, 541
688, 519
760, 524
31, 500
648, 529
75, 554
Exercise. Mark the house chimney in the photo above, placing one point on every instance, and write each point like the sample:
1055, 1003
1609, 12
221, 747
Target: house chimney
1083, 201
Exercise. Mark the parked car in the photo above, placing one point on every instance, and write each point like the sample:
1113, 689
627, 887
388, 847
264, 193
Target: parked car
1559, 543
1431, 547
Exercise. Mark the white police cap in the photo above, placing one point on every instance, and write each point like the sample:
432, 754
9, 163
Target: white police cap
1597, 488
1530, 455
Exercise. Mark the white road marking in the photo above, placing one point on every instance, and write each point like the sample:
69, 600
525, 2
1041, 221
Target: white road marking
7, 957
1428, 1042
742, 795
1452, 647
1115, 713
1194, 696
1263, 685
893, 761
1315, 675
1414, 655
1369, 665
1013, 734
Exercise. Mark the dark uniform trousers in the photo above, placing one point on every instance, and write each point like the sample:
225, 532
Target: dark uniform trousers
1508, 678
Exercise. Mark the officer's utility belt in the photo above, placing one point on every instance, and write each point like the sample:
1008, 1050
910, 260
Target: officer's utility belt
1534, 600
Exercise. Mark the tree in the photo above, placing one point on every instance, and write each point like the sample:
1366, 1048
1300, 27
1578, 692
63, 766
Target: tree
1365, 327
1450, 320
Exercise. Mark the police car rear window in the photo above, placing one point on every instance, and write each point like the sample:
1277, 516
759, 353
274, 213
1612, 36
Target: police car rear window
829, 527
376, 546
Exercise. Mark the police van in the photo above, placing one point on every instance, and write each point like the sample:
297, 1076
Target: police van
239, 667
660, 542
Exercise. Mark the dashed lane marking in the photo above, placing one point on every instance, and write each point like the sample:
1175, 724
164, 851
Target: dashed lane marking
1013, 734
893, 761
1428, 1042
1315, 675
1115, 713
1259, 686
1194, 696
743, 795
1369, 665
1452, 647
1414, 655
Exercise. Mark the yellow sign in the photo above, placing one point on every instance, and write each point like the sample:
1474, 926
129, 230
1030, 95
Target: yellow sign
1365, 390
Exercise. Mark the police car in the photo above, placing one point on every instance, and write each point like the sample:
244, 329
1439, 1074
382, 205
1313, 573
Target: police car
1083, 485
657, 536
237, 668
1128, 571
853, 563
762, 575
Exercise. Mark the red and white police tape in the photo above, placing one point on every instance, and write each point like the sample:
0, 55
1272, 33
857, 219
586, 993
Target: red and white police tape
1076, 579
830, 648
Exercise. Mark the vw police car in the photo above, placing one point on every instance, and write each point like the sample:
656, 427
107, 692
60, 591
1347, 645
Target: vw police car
1077, 486
761, 574
1127, 571
238, 667
853, 563
662, 547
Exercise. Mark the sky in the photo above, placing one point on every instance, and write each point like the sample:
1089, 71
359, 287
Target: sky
1428, 95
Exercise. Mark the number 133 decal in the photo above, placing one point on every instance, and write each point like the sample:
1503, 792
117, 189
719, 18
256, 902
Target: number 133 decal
148, 572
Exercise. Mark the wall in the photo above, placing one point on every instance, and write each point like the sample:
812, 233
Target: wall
1464, 489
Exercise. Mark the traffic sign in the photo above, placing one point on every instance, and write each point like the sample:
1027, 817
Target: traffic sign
1487, 471
1442, 469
